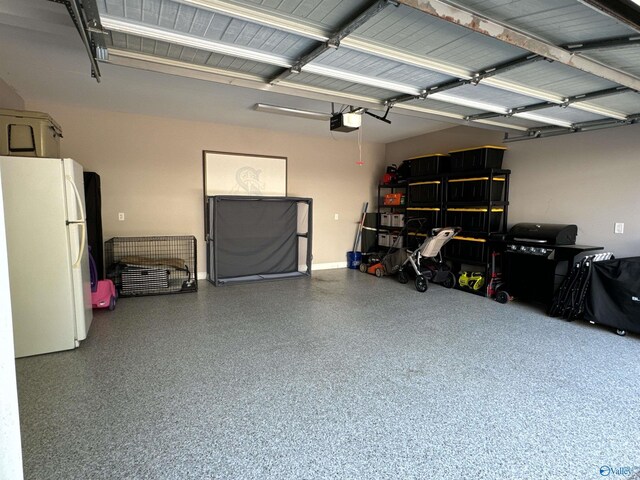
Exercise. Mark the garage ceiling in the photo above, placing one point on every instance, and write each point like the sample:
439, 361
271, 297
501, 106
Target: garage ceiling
530, 68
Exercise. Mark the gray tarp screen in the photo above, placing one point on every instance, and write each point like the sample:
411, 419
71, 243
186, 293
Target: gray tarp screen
257, 238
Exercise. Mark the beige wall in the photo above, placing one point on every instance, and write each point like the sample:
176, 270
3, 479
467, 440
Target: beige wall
589, 179
441, 142
151, 169
9, 98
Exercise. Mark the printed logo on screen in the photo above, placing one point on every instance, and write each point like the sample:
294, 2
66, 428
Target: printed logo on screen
248, 180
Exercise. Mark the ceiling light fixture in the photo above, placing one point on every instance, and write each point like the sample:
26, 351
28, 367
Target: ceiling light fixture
292, 112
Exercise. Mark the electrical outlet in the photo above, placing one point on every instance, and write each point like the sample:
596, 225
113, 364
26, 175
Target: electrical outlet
618, 228
121, 216
336, 216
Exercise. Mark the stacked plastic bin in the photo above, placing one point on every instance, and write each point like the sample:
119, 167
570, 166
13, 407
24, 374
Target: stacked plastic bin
425, 196
477, 195
465, 188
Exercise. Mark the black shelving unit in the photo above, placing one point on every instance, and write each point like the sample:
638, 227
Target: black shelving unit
476, 200
481, 210
425, 195
383, 209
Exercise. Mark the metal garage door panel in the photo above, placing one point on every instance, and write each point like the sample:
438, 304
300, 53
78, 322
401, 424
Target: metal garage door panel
569, 114
406, 28
626, 59
370, 65
318, 81
147, 46
457, 110
628, 103
518, 122
559, 21
490, 95
329, 14
201, 23
556, 78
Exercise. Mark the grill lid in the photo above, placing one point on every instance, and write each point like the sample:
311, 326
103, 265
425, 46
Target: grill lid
548, 233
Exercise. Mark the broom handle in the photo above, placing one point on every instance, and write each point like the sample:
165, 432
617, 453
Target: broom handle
360, 225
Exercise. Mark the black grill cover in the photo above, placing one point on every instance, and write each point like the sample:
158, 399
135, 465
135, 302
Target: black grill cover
553, 234
614, 294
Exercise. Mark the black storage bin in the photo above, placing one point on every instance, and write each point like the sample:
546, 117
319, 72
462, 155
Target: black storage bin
475, 219
432, 164
613, 297
431, 218
468, 249
478, 158
425, 192
476, 189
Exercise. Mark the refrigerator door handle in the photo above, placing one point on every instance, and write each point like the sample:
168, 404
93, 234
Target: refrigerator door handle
81, 221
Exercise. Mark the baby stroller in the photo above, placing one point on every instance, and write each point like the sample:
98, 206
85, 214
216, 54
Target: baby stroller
436, 269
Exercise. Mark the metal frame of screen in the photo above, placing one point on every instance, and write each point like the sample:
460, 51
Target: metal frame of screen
216, 254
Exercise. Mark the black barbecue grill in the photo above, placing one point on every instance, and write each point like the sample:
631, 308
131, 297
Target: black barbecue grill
538, 257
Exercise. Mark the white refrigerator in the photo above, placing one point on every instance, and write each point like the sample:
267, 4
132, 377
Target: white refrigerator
48, 253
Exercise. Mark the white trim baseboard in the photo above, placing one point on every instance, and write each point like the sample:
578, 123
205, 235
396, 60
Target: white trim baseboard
328, 266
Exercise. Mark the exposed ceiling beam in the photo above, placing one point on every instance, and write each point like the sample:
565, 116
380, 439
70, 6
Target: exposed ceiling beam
604, 44
451, 13
334, 40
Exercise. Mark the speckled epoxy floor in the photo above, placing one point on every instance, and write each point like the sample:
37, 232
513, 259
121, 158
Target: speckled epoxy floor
340, 376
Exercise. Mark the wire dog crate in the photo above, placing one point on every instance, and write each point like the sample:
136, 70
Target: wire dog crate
152, 265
